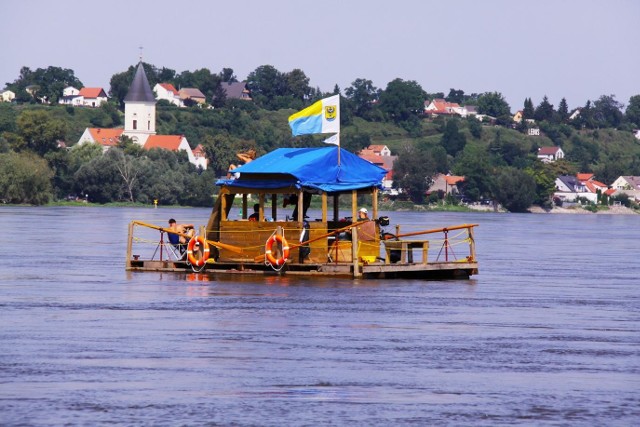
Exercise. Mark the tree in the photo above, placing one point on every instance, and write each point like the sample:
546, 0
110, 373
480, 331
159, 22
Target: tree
413, 171
494, 105
475, 165
528, 110
297, 84
545, 180
40, 131
607, 112
632, 113
402, 100
50, 81
475, 127
265, 83
25, 178
227, 75
515, 189
452, 139
544, 111
363, 94
563, 111
456, 96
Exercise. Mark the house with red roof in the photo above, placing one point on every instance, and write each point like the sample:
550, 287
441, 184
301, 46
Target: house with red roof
168, 92
550, 154
171, 143
93, 96
380, 155
447, 184
85, 97
107, 138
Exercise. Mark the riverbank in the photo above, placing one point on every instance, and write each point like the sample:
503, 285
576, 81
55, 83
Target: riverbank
611, 210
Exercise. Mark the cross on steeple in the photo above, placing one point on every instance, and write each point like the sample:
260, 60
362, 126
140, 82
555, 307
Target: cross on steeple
140, 47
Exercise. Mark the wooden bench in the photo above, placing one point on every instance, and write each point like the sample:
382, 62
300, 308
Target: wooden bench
406, 248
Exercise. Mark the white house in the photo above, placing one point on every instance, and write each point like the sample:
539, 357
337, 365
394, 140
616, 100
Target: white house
92, 96
107, 138
70, 91
169, 93
550, 154
380, 155
7, 96
172, 143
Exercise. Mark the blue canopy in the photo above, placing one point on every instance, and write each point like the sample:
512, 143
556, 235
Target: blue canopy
315, 168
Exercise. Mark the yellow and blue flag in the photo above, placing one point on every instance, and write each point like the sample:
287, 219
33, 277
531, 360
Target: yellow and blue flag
321, 117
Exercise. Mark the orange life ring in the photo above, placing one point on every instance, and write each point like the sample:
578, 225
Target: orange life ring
205, 251
269, 254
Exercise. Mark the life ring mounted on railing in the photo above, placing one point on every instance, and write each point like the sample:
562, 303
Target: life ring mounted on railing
268, 250
205, 251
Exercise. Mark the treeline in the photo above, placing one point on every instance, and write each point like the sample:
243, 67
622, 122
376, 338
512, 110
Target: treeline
499, 163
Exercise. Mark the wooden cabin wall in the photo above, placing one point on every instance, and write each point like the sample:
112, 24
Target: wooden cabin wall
253, 235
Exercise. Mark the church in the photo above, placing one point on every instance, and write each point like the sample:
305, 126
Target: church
140, 124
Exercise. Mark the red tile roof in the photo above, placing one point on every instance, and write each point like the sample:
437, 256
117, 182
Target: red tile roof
548, 151
168, 142
453, 180
106, 137
169, 87
92, 92
584, 176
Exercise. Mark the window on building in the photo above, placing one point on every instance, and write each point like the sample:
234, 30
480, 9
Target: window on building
135, 124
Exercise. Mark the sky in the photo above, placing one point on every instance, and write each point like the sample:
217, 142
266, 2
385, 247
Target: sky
573, 49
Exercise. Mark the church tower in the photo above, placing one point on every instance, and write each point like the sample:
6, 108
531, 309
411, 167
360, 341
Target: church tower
140, 108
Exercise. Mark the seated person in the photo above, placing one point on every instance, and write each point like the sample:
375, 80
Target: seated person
177, 240
255, 216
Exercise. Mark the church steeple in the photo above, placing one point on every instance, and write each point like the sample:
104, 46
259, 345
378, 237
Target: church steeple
140, 108
140, 91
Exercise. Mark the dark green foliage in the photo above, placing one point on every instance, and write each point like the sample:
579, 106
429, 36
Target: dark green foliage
632, 113
453, 140
494, 105
544, 111
24, 178
515, 189
402, 100
48, 83
413, 172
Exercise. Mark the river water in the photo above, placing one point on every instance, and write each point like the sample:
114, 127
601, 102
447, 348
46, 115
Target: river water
547, 334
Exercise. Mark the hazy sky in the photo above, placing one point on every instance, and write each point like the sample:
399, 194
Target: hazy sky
576, 49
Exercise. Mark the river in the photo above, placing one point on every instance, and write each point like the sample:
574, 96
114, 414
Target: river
547, 334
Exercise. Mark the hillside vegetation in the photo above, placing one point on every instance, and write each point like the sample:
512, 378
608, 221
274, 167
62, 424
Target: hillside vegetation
496, 156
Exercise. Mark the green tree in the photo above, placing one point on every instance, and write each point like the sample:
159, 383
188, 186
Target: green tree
515, 189
452, 139
528, 111
413, 171
474, 163
494, 105
266, 83
607, 112
456, 96
363, 94
563, 111
402, 100
475, 127
545, 180
40, 131
632, 113
25, 178
544, 111
50, 81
